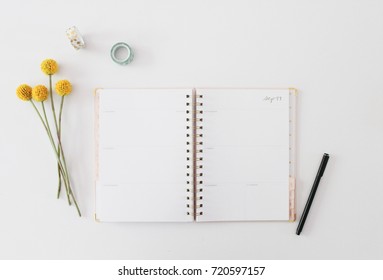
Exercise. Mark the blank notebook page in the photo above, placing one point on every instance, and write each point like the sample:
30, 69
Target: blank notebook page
141, 155
245, 154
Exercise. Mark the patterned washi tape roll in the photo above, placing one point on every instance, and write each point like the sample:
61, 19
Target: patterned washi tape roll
75, 38
124, 60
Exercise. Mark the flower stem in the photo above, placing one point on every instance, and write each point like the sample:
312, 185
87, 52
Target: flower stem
60, 114
55, 119
52, 103
57, 154
59, 136
59, 184
66, 171
61, 147
61, 151
50, 137
64, 174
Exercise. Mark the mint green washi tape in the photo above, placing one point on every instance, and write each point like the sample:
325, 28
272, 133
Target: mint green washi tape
122, 60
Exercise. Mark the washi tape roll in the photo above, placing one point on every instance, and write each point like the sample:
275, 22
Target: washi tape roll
121, 59
75, 38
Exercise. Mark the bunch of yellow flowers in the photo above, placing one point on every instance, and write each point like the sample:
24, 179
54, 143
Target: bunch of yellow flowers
40, 93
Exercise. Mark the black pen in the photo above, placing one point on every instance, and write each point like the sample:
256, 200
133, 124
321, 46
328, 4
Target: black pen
322, 167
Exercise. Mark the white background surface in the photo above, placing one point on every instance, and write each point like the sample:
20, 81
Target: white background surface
332, 51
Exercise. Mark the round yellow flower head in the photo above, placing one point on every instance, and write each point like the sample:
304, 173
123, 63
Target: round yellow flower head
49, 66
24, 92
63, 87
40, 93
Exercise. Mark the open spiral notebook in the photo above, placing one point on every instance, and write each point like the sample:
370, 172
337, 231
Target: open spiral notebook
183, 155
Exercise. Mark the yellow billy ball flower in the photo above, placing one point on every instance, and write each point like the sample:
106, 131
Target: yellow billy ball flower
40, 93
63, 87
24, 92
49, 66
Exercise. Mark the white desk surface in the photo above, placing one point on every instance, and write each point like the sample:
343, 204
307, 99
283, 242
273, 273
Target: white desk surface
332, 51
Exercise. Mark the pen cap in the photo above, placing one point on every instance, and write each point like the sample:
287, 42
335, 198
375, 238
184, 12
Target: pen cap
323, 164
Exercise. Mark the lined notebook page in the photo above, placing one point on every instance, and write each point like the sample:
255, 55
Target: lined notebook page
245, 154
141, 155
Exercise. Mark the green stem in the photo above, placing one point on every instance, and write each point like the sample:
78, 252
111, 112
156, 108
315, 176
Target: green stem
38, 113
47, 129
59, 136
59, 184
57, 153
60, 114
61, 150
66, 171
55, 119
52, 103
49, 136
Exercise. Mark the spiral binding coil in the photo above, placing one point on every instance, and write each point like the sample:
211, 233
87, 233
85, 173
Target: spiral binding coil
198, 154
194, 156
189, 153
